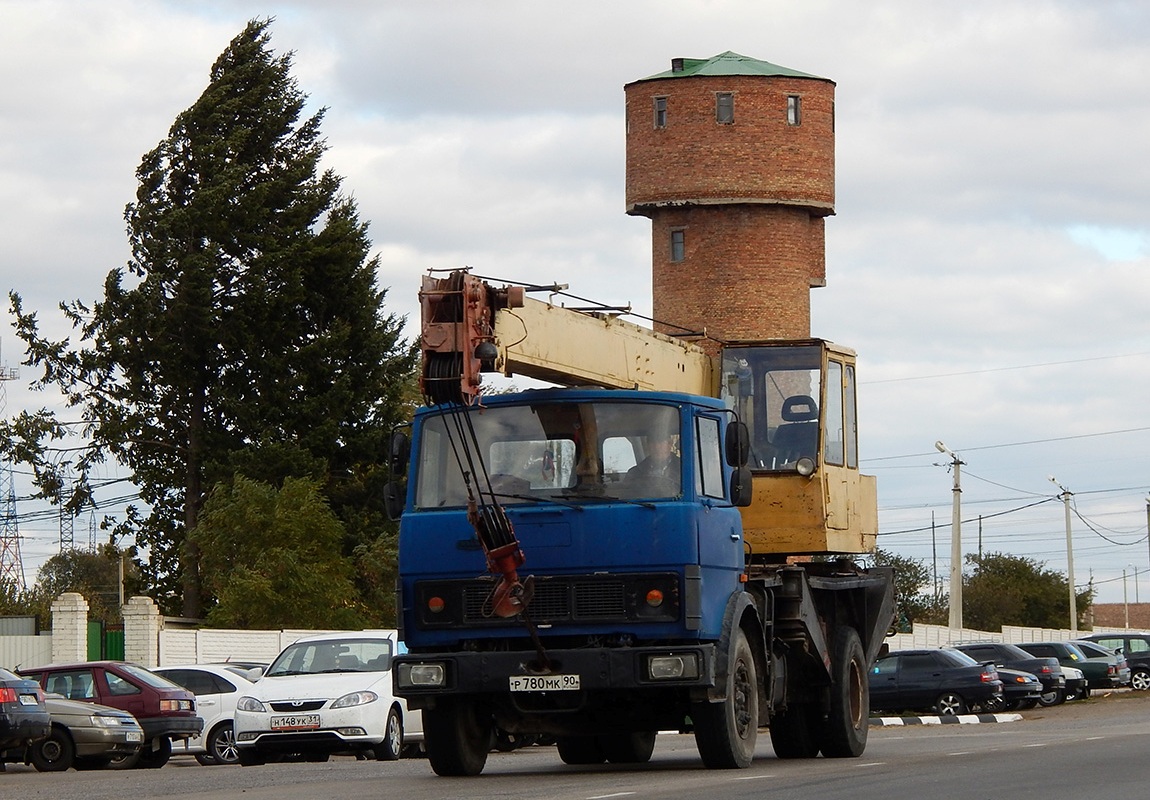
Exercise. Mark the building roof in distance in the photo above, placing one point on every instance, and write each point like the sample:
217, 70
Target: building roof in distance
727, 63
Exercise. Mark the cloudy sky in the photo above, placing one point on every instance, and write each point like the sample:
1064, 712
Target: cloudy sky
988, 258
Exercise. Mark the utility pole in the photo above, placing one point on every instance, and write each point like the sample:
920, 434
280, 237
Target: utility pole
1066, 495
11, 563
955, 539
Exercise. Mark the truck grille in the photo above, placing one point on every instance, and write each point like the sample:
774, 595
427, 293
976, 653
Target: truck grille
556, 601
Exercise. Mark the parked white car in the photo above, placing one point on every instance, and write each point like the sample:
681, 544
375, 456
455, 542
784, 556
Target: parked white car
217, 687
325, 695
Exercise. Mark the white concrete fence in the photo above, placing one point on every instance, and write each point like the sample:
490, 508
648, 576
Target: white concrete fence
151, 640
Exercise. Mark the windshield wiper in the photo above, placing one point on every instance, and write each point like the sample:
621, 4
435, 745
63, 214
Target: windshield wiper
607, 498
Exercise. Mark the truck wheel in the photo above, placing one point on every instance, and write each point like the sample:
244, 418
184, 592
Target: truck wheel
53, 754
457, 739
580, 750
628, 748
725, 733
795, 731
848, 718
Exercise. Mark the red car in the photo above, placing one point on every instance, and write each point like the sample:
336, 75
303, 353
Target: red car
164, 710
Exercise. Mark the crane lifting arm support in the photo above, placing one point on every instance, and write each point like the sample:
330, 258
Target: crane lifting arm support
572, 348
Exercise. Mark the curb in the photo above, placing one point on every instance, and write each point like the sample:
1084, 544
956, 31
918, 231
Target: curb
950, 719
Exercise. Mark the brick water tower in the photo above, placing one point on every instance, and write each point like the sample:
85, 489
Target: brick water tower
733, 161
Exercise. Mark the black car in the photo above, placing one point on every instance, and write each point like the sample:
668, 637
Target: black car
1020, 690
1100, 673
1047, 668
1136, 648
945, 681
24, 716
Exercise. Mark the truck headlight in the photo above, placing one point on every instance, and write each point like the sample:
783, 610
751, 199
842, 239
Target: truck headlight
427, 674
679, 666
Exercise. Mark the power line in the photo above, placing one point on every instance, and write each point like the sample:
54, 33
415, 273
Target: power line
1002, 369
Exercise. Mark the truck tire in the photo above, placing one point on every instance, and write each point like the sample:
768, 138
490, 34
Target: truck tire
726, 732
577, 750
848, 718
628, 748
796, 732
457, 737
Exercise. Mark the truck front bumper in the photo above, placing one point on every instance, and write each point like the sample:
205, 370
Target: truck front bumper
566, 673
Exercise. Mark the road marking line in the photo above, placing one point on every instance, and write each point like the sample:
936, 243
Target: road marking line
605, 796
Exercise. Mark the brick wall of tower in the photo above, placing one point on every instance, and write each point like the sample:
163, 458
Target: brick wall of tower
757, 158
746, 273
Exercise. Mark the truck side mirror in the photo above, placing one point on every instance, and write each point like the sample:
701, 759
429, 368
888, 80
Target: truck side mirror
400, 453
738, 444
741, 486
393, 500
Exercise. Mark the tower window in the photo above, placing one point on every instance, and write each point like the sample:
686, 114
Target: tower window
660, 112
725, 107
678, 244
794, 109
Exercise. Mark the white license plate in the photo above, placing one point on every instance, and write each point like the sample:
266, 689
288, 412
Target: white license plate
133, 736
295, 722
29, 700
544, 683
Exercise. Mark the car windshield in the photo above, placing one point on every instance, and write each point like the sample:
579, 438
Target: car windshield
333, 655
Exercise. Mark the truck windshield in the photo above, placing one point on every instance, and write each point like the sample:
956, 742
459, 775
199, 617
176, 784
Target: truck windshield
554, 451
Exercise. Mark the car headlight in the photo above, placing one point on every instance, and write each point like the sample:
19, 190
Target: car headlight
250, 704
104, 721
355, 699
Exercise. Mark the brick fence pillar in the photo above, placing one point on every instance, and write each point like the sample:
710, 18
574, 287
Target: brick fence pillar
69, 628
142, 624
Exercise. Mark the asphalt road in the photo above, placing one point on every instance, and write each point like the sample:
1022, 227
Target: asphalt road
1065, 753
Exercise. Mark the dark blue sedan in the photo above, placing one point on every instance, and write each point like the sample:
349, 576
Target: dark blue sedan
944, 681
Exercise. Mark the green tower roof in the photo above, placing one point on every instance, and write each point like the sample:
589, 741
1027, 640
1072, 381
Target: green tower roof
727, 63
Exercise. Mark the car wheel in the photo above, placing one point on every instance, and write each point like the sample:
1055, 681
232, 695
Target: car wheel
221, 745
1026, 705
1140, 680
1055, 697
55, 753
391, 747
157, 755
994, 705
949, 704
